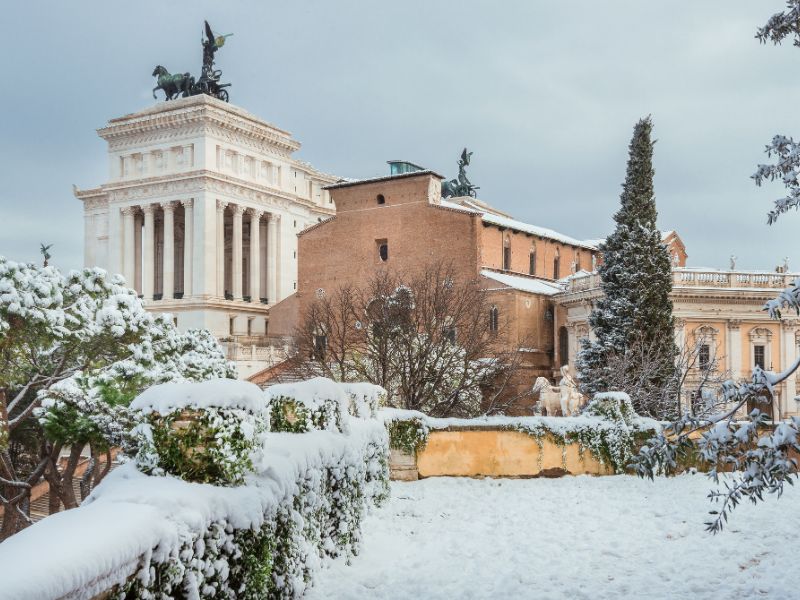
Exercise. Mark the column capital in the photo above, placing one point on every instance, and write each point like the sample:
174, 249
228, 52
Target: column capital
273, 217
221, 204
734, 323
149, 208
168, 206
187, 203
679, 323
238, 209
789, 324
128, 210
256, 213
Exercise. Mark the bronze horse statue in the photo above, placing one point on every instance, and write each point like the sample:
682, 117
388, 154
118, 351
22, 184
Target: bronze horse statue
172, 85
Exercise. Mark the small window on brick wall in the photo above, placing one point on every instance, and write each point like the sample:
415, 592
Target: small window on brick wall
383, 249
381, 199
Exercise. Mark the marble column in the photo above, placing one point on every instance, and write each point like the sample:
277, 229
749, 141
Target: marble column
129, 252
236, 253
221, 248
789, 331
272, 258
138, 223
255, 255
188, 244
735, 344
149, 242
168, 269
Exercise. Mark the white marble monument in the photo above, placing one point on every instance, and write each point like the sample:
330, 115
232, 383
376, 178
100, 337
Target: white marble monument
201, 214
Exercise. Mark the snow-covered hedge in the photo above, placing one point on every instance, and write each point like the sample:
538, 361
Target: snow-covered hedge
205, 432
608, 428
321, 403
146, 536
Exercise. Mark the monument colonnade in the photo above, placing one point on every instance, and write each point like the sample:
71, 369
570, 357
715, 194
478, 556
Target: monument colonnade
160, 247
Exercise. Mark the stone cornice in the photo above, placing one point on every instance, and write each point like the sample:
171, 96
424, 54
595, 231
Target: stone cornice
681, 294
175, 116
201, 180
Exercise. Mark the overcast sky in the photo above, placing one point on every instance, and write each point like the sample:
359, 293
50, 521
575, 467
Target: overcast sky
544, 93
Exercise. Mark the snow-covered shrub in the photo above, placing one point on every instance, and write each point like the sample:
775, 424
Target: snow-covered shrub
408, 429
318, 403
365, 399
204, 432
336, 478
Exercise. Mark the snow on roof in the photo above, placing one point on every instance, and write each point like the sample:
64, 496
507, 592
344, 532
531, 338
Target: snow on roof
218, 393
523, 283
456, 206
534, 230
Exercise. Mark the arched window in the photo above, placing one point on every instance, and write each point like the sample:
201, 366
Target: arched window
557, 265
532, 266
494, 319
381, 199
563, 346
507, 254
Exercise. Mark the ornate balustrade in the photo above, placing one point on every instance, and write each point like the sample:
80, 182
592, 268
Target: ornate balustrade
704, 279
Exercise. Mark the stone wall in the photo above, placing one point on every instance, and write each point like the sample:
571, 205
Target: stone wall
493, 452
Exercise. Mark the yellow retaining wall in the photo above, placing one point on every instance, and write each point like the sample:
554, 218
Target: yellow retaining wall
500, 453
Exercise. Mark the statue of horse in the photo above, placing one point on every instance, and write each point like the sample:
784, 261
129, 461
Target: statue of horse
549, 402
571, 399
172, 85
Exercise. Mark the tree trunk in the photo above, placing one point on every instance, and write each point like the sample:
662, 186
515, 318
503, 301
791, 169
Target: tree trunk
67, 492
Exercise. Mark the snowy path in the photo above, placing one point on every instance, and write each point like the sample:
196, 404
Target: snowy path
569, 538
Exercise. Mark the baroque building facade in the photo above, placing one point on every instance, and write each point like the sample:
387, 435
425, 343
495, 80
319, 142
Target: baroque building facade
200, 214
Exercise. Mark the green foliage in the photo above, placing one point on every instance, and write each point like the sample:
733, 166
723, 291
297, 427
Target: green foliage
288, 415
636, 279
208, 446
408, 436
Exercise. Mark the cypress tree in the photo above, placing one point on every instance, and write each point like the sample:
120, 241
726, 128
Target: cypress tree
636, 279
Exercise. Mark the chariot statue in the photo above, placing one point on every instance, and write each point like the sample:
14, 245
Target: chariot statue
460, 186
184, 85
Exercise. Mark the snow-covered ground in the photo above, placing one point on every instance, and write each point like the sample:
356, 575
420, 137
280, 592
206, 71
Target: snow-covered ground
568, 538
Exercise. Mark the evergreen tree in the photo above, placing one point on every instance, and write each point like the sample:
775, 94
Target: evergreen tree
636, 278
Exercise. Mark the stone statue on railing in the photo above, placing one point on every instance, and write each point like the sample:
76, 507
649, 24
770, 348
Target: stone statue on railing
564, 399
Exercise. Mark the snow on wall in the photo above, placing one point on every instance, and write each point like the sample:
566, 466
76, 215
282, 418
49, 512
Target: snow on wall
82, 552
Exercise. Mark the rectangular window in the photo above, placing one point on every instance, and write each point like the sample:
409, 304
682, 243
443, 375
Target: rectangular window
759, 356
704, 357
556, 268
532, 267
507, 258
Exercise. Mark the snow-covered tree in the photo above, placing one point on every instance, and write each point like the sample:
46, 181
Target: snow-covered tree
762, 457
636, 279
425, 337
74, 351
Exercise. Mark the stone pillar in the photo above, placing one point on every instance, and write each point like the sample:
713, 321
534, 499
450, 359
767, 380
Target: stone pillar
138, 219
90, 241
255, 255
149, 242
168, 269
788, 356
221, 248
272, 258
735, 359
188, 244
129, 247
236, 254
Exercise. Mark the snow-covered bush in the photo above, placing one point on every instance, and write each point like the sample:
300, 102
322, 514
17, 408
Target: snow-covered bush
318, 403
408, 429
365, 399
205, 432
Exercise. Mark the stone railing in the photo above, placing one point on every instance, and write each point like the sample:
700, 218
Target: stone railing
271, 354
731, 279
702, 278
